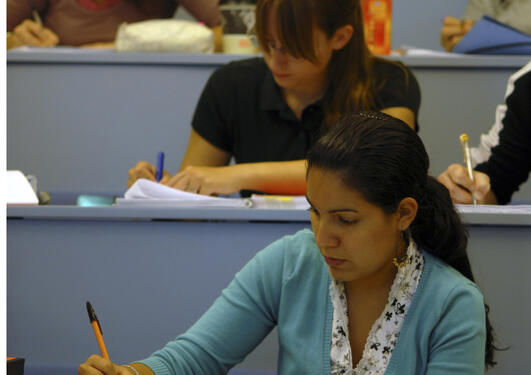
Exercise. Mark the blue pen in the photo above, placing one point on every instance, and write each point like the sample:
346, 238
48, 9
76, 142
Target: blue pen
160, 166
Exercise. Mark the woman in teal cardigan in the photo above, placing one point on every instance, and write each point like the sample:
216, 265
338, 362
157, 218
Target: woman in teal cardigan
381, 285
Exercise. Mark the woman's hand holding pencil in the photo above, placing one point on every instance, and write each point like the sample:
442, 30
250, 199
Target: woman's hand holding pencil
31, 33
460, 185
98, 365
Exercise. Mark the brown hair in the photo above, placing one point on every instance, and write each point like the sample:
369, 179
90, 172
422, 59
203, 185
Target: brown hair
350, 69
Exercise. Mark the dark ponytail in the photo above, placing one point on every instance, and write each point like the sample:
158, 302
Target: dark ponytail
449, 243
385, 160
438, 227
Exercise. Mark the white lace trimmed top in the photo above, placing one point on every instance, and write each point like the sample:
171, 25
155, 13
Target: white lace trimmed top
385, 330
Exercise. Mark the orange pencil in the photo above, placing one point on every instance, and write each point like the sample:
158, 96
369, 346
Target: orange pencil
97, 330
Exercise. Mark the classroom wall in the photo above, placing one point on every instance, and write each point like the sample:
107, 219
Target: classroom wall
418, 22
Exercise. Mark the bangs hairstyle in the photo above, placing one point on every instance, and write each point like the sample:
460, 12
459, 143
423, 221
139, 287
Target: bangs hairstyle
295, 25
351, 85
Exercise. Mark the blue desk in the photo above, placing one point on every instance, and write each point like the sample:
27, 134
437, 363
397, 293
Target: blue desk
80, 121
164, 268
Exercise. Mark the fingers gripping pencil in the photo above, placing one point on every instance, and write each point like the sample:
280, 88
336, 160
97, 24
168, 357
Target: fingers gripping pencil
468, 161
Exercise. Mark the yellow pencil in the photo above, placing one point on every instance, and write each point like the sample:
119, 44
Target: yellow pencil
97, 330
35, 13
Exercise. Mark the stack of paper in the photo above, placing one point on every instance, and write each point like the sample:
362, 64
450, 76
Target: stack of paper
522, 209
146, 193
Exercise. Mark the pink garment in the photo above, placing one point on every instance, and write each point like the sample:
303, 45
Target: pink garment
75, 24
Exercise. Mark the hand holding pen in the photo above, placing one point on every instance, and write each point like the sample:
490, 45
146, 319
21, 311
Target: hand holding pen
32, 32
460, 186
464, 184
146, 170
463, 138
96, 364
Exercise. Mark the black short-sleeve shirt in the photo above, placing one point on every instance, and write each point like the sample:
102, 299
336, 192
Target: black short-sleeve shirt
241, 111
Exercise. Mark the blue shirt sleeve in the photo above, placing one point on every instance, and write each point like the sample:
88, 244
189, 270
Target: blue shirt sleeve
236, 323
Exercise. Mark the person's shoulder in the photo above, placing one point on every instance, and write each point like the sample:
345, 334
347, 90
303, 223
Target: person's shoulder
253, 67
298, 245
238, 75
296, 251
390, 67
395, 76
444, 283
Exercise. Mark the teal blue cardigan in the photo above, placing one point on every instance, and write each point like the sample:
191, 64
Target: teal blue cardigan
286, 285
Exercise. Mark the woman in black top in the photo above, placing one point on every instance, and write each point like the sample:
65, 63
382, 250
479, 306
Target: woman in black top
503, 157
267, 112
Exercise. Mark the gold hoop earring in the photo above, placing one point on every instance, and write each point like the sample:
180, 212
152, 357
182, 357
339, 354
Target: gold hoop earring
401, 262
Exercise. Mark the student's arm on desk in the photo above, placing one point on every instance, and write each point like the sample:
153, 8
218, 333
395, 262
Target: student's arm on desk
204, 170
97, 365
286, 178
199, 154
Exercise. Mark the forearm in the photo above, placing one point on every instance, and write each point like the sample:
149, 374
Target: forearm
217, 341
201, 153
203, 170
287, 177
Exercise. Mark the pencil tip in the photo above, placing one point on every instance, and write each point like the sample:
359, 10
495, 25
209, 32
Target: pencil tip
90, 311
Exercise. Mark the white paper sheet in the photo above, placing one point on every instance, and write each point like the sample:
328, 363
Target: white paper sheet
146, 193
19, 191
494, 209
